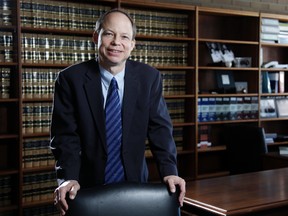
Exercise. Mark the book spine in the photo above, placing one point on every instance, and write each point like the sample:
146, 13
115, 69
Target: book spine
281, 81
5, 191
5, 75
6, 13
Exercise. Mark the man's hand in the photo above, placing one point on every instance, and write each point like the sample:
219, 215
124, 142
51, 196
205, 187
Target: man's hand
70, 187
172, 181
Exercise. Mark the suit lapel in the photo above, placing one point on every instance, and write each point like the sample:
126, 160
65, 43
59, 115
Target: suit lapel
95, 99
129, 99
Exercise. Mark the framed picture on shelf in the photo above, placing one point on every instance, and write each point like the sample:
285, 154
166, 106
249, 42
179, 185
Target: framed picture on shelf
268, 108
241, 87
225, 81
282, 107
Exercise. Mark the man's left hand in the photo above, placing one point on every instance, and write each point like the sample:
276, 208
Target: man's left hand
172, 181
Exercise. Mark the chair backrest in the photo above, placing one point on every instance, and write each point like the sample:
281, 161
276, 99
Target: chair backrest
127, 199
245, 148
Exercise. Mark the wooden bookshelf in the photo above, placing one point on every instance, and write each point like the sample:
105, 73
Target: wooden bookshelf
171, 37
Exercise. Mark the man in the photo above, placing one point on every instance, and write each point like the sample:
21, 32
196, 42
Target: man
78, 136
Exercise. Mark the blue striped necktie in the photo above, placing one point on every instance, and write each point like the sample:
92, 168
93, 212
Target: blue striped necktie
114, 171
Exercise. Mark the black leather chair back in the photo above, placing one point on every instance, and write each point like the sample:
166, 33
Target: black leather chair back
125, 199
245, 147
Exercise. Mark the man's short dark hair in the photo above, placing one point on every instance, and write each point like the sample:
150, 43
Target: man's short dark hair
101, 19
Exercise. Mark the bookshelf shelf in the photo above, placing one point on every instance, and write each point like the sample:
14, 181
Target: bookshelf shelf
8, 64
38, 169
9, 136
38, 203
188, 30
212, 149
56, 31
228, 41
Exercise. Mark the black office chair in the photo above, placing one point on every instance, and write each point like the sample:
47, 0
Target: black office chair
245, 148
127, 199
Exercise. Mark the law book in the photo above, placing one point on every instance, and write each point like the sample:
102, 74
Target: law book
6, 12
5, 75
226, 108
199, 109
274, 81
27, 118
247, 109
270, 29
204, 109
233, 108
281, 82
240, 114
265, 82
73, 12
273, 37
219, 109
46, 111
6, 46
38, 15
26, 13
178, 137
212, 109
254, 107
5, 191
283, 26
204, 136
270, 21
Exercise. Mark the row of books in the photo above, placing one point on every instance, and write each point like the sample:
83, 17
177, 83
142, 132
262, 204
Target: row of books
6, 46
274, 31
80, 16
36, 153
204, 136
274, 106
5, 12
174, 82
59, 14
59, 49
36, 117
38, 82
273, 82
38, 187
5, 74
5, 190
227, 108
176, 108
43, 210
161, 53
56, 49
160, 23
177, 136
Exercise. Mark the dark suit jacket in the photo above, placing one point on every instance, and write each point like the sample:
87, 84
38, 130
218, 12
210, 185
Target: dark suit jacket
78, 124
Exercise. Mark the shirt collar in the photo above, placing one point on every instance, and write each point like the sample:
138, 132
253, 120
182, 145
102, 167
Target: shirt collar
106, 77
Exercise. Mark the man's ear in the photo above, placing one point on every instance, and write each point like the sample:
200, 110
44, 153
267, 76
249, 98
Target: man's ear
133, 44
95, 37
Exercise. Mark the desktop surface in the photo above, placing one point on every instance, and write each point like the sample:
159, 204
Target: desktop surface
241, 194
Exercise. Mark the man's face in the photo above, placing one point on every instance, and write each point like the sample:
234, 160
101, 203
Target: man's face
115, 40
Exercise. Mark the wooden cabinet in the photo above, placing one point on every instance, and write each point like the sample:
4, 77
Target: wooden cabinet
217, 107
275, 51
45, 36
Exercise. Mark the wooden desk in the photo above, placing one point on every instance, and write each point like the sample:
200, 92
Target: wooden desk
260, 193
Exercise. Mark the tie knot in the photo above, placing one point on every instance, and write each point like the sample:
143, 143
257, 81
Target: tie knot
113, 83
